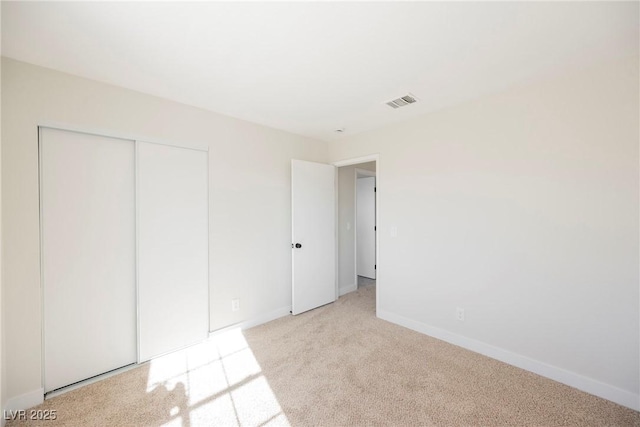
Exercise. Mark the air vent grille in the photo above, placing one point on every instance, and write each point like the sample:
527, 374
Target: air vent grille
402, 101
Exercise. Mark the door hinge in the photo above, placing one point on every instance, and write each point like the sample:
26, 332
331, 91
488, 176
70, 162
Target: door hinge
375, 266
375, 189
375, 228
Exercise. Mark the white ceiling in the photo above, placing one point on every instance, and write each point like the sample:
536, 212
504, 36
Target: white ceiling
313, 67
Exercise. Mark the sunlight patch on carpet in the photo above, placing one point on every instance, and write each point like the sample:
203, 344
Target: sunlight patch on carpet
221, 383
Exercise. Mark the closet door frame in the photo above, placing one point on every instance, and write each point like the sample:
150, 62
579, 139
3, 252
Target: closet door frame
135, 139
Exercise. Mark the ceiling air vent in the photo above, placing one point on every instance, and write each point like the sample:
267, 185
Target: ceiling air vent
402, 101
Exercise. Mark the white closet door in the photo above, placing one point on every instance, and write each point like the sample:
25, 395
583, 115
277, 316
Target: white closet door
172, 212
88, 255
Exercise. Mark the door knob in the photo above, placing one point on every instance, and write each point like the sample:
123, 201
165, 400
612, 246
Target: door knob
298, 245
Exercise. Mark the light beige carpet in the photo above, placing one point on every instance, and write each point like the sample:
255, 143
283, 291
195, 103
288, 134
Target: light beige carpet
336, 365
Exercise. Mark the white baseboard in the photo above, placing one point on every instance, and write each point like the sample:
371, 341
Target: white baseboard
36, 397
589, 385
267, 317
256, 321
24, 401
346, 289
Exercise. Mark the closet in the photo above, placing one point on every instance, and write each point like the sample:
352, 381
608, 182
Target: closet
124, 252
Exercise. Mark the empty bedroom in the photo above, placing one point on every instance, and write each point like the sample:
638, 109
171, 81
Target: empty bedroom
320, 213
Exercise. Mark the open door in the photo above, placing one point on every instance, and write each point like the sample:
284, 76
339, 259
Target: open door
313, 235
366, 227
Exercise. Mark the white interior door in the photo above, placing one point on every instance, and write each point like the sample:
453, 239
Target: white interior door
366, 227
88, 255
172, 209
313, 233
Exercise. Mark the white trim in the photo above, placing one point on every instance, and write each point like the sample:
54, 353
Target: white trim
355, 226
119, 135
336, 231
357, 160
349, 288
136, 207
256, 321
41, 261
24, 401
208, 244
572, 379
292, 213
354, 161
266, 318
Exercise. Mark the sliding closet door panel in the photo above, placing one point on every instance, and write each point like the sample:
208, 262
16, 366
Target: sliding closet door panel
172, 248
88, 255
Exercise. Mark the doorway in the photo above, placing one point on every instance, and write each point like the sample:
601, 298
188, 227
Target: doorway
365, 226
349, 276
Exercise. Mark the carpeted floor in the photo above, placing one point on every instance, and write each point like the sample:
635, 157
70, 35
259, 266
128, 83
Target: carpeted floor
336, 365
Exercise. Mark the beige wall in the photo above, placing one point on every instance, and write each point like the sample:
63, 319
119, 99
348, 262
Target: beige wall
522, 208
250, 255
346, 216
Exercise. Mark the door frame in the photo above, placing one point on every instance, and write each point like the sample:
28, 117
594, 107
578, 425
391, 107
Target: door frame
134, 138
355, 161
362, 173
41, 261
